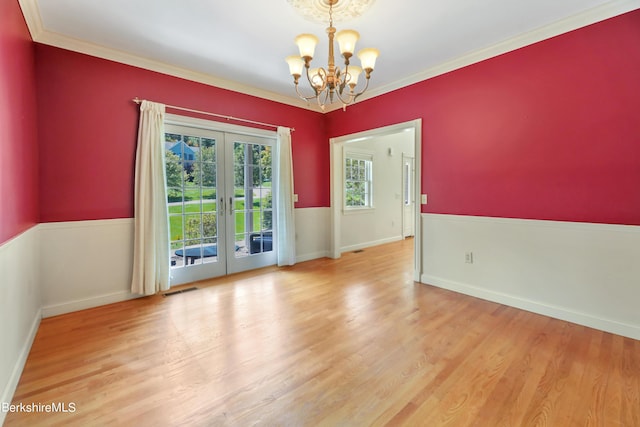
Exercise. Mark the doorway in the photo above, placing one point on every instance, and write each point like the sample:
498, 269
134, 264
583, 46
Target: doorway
219, 199
339, 210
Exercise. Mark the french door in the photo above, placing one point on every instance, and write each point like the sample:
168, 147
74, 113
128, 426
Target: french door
219, 200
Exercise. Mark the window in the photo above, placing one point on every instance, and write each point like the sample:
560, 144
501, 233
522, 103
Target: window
358, 185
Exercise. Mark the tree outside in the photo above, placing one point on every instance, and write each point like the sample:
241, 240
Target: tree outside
175, 175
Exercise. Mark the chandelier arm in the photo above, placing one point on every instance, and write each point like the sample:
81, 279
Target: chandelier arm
362, 91
348, 101
323, 77
322, 103
306, 98
309, 78
302, 96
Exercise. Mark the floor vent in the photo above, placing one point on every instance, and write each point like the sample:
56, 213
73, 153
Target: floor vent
181, 291
358, 251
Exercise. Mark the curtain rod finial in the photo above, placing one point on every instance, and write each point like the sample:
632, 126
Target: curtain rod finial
137, 100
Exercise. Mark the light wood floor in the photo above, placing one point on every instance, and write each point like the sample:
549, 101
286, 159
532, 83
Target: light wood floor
349, 342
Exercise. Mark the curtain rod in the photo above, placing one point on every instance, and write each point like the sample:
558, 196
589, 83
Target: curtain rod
206, 113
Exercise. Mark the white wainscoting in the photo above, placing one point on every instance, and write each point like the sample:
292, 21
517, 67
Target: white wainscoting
584, 273
312, 233
20, 302
85, 264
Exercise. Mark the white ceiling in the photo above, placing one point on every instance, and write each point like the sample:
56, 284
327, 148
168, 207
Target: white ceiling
241, 44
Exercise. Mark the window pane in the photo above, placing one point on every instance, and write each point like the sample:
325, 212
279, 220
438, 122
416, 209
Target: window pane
254, 218
210, 250
239, 220
209, 200
193, 226
239, 176
266, 164
176, 228
238, 153
174, 196
174, 168
255, 153
213, 172
191, 141
209, 229
267, 220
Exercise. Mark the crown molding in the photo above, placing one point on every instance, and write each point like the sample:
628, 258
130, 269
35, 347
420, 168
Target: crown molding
32, 17
64, 42
31, 13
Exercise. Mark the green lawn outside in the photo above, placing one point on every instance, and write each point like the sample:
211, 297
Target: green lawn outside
176, 218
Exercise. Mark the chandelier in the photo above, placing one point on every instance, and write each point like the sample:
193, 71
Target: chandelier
331, 82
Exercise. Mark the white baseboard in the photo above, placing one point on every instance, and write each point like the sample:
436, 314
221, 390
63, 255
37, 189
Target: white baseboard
562, 313
18, 367
365, 245
84, 303
312, 256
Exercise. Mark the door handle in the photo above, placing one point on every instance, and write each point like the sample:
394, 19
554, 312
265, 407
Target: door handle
231, 205
221, 209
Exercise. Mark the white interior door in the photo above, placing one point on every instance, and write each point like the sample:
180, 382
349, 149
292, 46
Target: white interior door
219, 201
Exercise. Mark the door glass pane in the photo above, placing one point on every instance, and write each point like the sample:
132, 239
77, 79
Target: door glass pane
191, 199
252, 198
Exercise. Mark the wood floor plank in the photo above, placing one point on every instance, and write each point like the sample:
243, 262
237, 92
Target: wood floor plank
347, 342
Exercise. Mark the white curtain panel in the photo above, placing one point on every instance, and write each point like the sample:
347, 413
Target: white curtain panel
285, 224
151, 235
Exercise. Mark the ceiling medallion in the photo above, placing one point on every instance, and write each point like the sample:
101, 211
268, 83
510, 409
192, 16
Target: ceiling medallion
317, 10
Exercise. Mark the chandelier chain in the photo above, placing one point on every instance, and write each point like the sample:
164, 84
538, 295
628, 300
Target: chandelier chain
331, 14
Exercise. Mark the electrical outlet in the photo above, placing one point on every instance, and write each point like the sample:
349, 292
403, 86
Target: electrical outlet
423, 199
295, 198
468, 257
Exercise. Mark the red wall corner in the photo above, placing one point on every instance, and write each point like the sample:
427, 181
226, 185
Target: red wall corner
18, 125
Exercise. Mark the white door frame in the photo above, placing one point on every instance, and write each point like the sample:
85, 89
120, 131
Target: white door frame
335, 156
412, 173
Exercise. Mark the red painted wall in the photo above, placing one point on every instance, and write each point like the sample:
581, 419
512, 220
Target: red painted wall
88, 127
18, 135
550, 131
